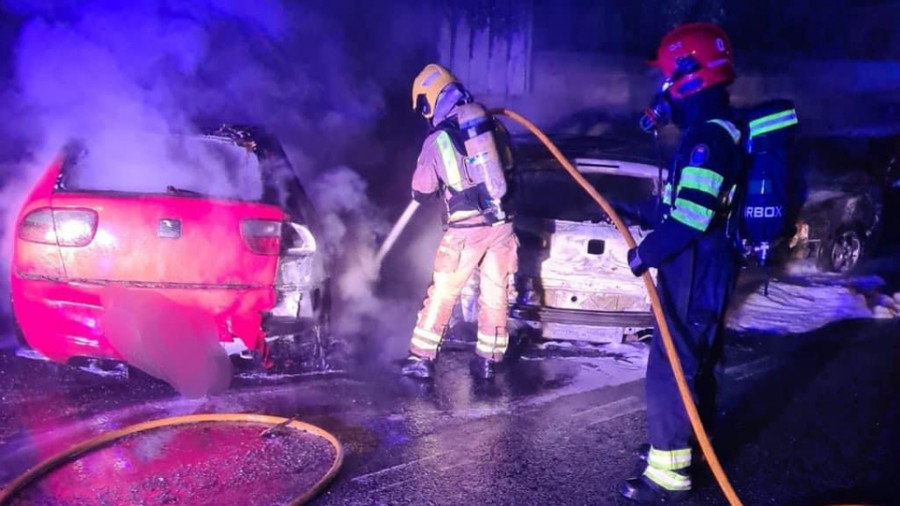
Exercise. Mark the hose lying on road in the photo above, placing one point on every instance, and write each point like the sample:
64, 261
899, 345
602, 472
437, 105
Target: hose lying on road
683, 390
17, 486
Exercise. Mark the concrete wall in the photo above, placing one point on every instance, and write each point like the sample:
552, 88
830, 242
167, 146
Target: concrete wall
489, 45
592, 94
571, 64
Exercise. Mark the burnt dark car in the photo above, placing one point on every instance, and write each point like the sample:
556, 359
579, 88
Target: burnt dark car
573, 282
850, 181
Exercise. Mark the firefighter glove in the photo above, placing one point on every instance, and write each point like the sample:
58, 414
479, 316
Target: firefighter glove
638, 268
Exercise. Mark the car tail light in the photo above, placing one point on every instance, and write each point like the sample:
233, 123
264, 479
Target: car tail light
262, 236
65, 227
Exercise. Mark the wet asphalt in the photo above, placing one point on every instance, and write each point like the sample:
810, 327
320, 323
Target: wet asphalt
810, 419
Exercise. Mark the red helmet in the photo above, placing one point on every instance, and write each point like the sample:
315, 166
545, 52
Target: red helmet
694, 57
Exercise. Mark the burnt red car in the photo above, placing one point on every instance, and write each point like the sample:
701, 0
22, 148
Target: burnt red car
218, 222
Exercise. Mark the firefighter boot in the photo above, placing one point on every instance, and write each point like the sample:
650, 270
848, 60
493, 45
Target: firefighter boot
418, 367
643, 490
484, 369
643, 452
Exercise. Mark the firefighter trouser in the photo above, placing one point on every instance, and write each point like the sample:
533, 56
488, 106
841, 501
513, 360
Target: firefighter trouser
694, 288
493, 248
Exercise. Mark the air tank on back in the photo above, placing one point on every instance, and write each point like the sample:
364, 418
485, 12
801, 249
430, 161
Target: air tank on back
482, 156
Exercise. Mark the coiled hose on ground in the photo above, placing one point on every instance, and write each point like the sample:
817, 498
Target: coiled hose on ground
686, 397
17, 486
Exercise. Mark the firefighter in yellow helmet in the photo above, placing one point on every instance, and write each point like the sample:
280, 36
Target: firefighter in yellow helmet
463, 162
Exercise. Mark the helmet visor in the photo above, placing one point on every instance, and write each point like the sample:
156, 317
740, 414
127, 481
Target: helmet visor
422, 105
685, 65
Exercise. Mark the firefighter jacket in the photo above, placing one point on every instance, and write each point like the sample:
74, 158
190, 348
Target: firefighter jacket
444, 169
697, 197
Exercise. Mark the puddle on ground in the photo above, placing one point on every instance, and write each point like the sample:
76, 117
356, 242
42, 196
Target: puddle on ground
205, 463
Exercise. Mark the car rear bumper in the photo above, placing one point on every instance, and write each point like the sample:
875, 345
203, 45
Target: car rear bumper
616, 319
62, 320
581, 325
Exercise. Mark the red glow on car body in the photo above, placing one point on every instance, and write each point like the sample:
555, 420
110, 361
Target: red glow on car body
72, 246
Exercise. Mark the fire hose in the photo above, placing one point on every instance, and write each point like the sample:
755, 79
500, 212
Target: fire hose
683, 390
41, 469
674, 361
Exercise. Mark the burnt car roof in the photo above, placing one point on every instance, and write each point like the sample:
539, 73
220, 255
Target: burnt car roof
635, 149
244, 137
252, 137
281, 184
544, 191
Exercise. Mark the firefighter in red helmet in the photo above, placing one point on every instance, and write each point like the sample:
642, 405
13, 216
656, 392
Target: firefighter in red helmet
691, 248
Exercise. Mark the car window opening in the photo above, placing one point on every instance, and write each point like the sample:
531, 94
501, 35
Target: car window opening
175, 165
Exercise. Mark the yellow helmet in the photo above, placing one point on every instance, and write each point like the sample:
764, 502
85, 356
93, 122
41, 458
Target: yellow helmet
428, 86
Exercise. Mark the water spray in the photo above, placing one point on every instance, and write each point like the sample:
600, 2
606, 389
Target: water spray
397, 229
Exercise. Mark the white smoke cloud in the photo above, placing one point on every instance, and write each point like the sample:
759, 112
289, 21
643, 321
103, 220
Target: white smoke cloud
354, 228
324, 77
351, 225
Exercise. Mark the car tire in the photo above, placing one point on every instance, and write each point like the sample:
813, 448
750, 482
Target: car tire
22, 343
324, 318
314, 347
845, 249
337, 351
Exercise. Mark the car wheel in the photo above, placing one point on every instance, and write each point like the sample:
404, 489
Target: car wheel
845, 249
331, 352
324, 318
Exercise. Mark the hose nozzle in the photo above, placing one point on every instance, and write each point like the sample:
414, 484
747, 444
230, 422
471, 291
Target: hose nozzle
650, 120
659, 113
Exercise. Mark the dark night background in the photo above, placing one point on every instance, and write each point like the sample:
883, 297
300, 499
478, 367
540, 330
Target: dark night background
812, 418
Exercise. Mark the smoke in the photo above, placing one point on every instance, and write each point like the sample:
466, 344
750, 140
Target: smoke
146, 163
351, 225
88, 68
353, 230
327, 78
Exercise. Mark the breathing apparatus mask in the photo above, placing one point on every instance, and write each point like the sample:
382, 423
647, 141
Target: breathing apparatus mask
659, 113
663, 108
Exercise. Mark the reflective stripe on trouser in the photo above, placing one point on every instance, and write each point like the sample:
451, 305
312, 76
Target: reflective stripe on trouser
425, 342
663, 468
669, 460
493, 345
694, 290
669, 480
460, 252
